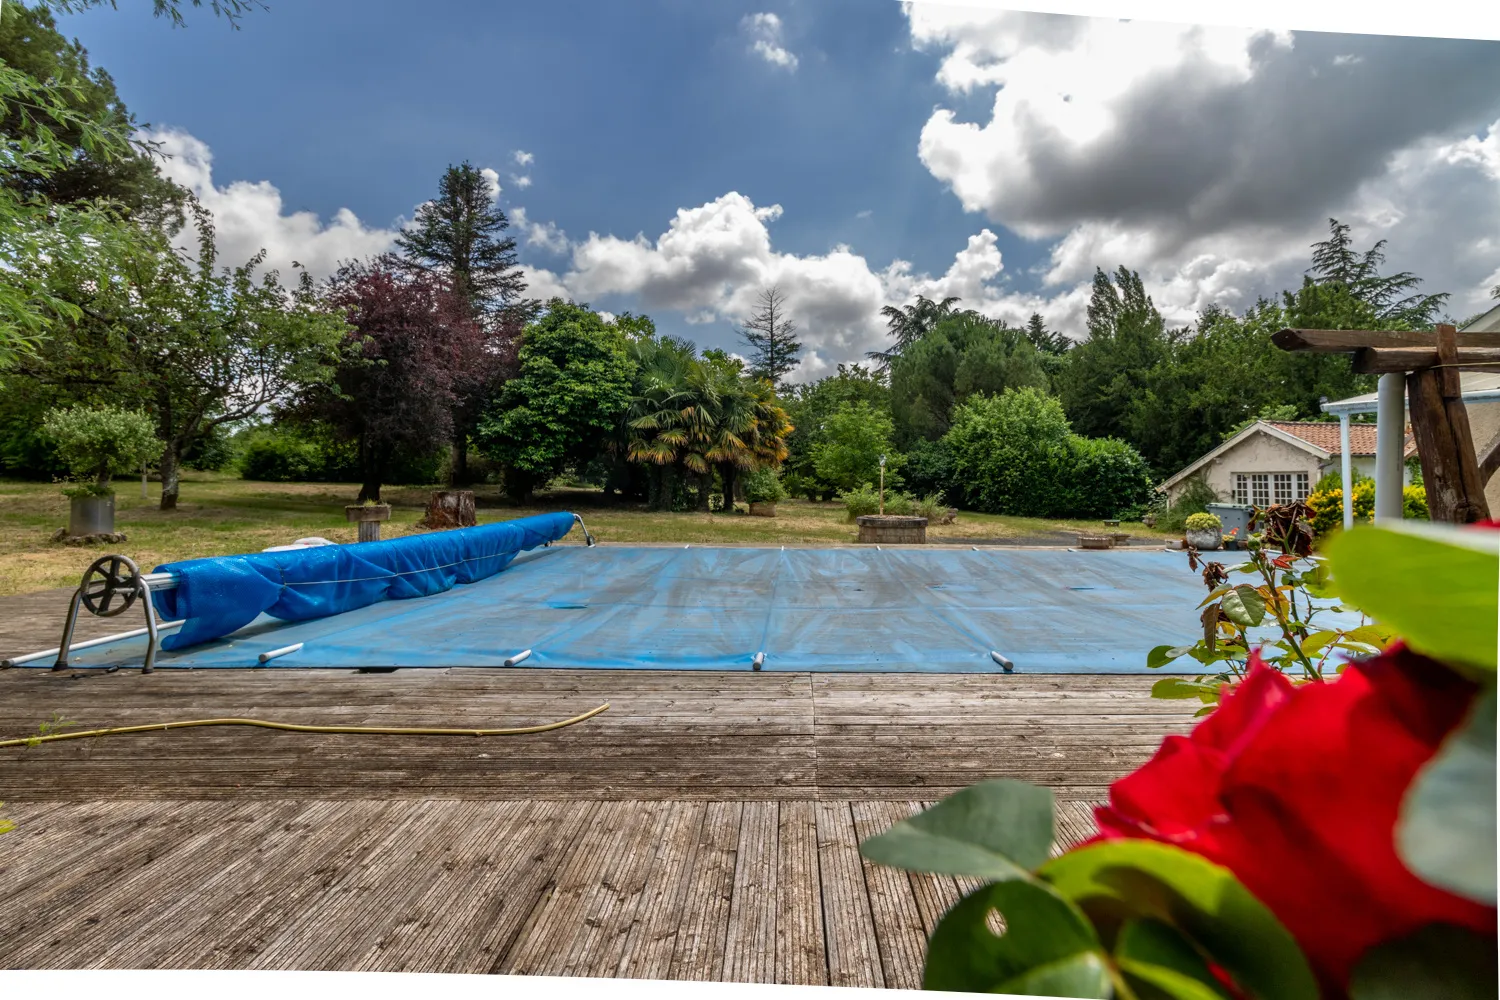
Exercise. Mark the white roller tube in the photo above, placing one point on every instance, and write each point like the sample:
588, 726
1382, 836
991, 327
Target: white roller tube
511, 661
1005, 664
16, 661
758, 662
283, 651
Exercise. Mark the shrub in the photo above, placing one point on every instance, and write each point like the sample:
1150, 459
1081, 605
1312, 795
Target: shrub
281, 458
858, 503
1195, 497
101, 441
1109, 477
1011, 454
1414, 503
1328, 506
932, 507
1203, 522
928, 468
764, 486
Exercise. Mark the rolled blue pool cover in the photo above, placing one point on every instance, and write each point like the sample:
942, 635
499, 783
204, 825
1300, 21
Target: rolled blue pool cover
219, 595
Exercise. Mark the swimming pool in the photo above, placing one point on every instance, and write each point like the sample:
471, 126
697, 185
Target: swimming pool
943, 610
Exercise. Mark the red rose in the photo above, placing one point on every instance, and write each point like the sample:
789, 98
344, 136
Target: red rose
1296, 789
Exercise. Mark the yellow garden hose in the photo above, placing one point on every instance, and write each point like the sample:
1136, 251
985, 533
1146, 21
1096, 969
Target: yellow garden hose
291, 727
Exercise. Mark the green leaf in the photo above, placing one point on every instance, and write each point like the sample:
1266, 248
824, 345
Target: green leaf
1214, 596
1244, 606
1155, 953
1446, 831
1437, 962
1374, 634
1314, 643
1160, 656
1438, 587
995, 830
1047, 948
1182, 687
1202, 900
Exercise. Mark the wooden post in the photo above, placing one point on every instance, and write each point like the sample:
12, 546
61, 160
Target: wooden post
369, 531
1346, 471
1445, 443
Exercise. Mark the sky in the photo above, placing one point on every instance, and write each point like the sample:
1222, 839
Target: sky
675, 157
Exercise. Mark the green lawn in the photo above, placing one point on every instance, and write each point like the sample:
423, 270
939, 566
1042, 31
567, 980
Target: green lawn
224, 515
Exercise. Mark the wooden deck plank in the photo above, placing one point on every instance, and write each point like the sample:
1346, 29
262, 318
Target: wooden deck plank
750, 939
699, 951
900, 932
653, 939
801, 950
853, 955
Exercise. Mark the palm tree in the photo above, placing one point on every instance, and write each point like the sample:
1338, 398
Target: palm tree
909, 324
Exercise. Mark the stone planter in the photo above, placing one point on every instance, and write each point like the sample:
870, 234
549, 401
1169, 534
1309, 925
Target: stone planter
892, 529
760, 508
91, 516
1205, 540
368, 517
1095, 542
1120, 537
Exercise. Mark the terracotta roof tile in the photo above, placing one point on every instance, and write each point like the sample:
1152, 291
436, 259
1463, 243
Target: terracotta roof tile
1325, 435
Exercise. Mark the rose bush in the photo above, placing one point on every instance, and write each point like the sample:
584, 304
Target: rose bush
1297, 789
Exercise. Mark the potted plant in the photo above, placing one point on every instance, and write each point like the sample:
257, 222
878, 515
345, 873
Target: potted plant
368, 516
1204, 531
763, 490
96, 443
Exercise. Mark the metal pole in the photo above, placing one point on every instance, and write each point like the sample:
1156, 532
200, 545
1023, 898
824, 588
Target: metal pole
1346, 471
1390, 437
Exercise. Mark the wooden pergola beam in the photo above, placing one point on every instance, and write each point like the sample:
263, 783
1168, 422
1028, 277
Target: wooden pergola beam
1453, 474
1384, 360
1353, 341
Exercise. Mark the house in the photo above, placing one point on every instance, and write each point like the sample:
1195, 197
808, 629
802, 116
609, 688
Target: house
1277, 461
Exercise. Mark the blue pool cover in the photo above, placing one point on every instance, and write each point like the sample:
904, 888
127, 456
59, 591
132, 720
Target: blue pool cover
692, 608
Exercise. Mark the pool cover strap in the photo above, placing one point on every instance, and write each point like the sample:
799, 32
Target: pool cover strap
219, 595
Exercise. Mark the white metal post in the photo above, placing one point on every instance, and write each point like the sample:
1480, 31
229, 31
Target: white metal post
1390, 437
1346, 470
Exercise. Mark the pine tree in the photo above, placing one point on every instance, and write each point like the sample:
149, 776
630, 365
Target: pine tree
769, 336
460, 236
1045, 340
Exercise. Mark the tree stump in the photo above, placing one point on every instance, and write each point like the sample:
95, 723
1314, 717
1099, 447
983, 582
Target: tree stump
449, 509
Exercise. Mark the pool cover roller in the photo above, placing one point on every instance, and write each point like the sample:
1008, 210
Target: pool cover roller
218, 595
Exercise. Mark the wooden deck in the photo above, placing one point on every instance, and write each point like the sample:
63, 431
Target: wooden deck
704, 828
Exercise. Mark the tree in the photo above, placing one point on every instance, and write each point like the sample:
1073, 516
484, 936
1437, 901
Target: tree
101, 441
963, 355
460, 236
567, 398
1103, 386
200, 346
1010, 453
126, 177
393, 392
909, 324
768, 334
1336, 263
1045, 340
810, 405
852, 444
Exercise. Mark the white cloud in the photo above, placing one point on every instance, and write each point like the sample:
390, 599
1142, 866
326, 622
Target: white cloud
492, 181
765, 31
521, 181
543, 235
251, 215
863, 213
523, 158
1209, 159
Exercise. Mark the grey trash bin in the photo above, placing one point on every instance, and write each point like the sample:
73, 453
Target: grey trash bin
1232, 516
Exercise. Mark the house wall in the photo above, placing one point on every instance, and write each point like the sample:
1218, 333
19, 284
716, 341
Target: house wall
1257, 453
1484, 425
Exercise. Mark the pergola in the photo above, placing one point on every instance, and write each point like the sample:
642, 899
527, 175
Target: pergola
1420, 374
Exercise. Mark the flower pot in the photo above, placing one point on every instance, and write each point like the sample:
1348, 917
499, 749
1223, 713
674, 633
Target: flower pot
761, 508
368, 517
1205, 540
91, 515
